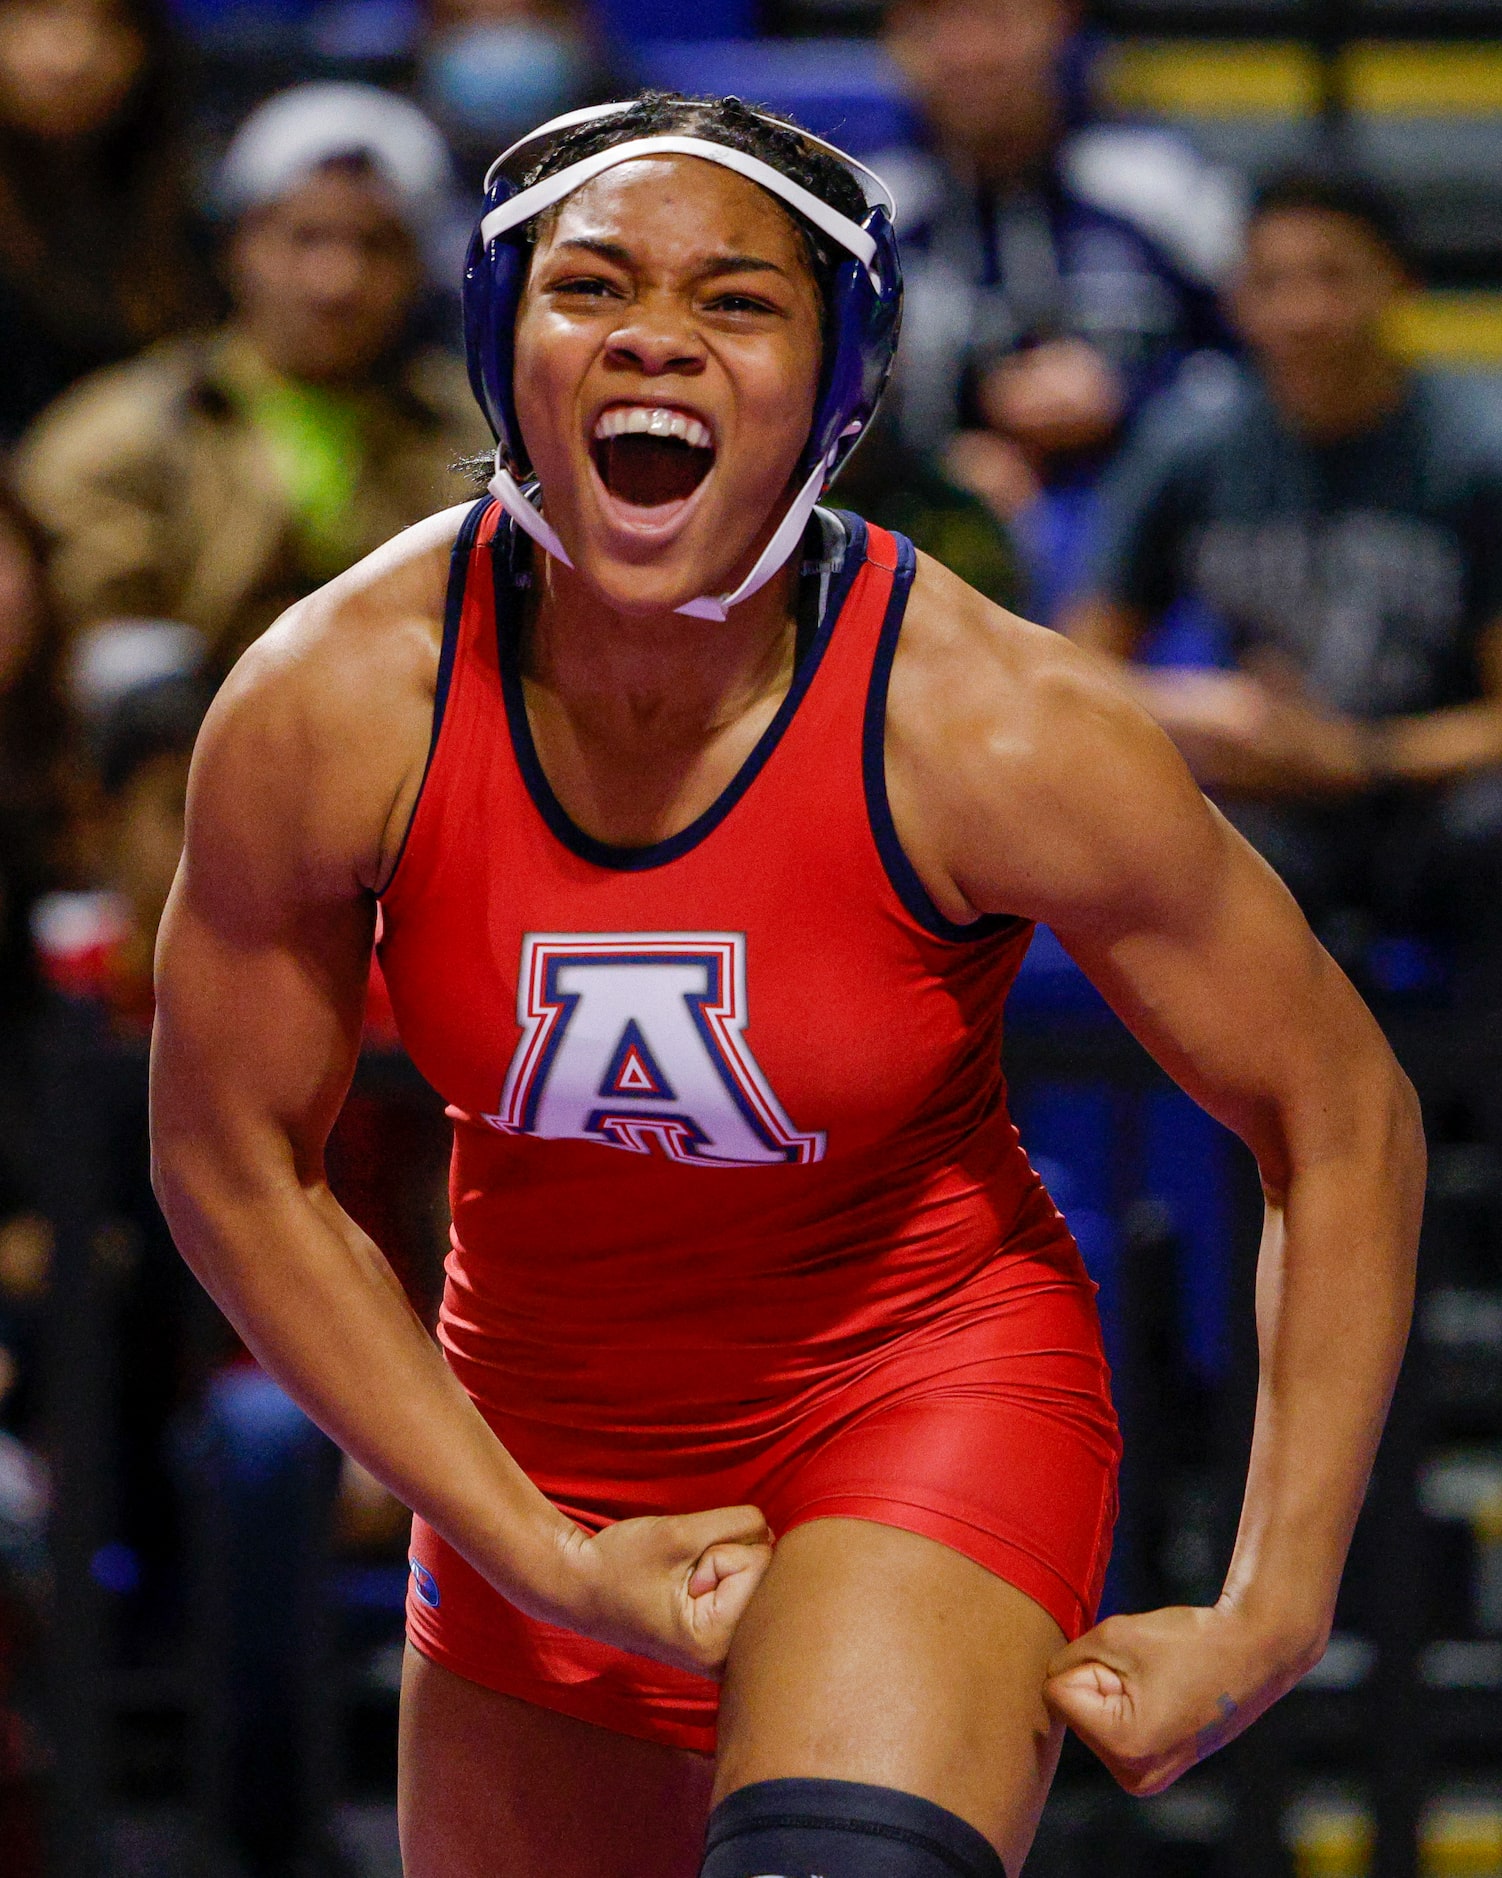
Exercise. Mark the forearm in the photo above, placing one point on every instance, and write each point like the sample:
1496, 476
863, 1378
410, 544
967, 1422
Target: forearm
1436, 746
1334, 1299
321, 1310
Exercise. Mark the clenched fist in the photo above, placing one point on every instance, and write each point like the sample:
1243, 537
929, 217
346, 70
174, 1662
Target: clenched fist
672, 1589
1153, 1694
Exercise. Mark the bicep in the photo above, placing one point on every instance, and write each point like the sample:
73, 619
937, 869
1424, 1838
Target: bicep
1186, 931
1208, 961
262, 959
256, 1038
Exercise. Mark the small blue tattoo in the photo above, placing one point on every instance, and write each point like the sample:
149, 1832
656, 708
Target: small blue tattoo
1209, 1739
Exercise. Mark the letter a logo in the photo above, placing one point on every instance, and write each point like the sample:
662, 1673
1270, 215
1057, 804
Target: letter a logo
635, 1040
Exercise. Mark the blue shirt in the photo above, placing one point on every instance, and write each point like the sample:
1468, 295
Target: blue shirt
1372, 565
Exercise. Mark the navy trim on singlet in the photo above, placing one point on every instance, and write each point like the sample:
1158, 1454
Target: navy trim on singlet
899, 869
453, 613
633, 860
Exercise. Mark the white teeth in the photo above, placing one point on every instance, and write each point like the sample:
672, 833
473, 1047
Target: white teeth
628, 420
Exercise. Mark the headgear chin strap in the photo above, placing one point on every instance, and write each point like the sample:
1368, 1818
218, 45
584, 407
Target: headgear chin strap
785, 537
862, 322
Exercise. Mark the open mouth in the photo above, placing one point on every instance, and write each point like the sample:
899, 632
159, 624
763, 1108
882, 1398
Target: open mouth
650, 455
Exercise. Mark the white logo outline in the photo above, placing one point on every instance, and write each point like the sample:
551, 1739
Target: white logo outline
545, 1010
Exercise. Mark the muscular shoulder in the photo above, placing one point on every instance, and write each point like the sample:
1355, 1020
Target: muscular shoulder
1022, 775
316, 743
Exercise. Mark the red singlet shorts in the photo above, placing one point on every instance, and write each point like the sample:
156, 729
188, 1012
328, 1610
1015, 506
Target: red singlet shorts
987, 1427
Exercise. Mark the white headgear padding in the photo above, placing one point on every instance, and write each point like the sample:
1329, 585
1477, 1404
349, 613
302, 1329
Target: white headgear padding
542, 195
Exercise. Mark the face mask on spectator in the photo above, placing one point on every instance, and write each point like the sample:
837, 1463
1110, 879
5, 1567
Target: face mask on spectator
497, 81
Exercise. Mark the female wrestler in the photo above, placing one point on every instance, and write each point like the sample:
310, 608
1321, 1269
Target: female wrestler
705, 869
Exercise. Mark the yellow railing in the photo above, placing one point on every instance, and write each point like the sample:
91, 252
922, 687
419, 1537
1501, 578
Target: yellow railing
1460, 329
1255, 78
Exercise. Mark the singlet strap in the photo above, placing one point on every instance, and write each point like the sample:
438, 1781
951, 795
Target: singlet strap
900, 871
461, 559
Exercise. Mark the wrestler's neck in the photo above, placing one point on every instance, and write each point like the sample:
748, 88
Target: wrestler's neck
666, 675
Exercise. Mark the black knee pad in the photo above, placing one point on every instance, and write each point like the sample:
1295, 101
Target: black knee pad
841, 1829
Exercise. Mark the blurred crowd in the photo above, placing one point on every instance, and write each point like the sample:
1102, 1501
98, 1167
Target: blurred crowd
1153, 404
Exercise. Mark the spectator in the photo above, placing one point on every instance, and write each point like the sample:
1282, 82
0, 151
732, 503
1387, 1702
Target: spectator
99, 946
25, 1240
491, 70
23, 1508
263, 1476
1342, 518
97, 950
1058, 271
32, 740
25, 1246
893, 484
34, 781
95, 252
216, 480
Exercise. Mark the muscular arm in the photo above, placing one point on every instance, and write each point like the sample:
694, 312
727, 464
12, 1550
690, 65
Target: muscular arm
1201, 952
302, 784
261, 971
1059, 800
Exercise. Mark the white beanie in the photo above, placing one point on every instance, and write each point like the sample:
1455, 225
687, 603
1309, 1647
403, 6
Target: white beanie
284, 141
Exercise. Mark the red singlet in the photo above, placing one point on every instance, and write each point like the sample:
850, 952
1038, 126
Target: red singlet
739, 1213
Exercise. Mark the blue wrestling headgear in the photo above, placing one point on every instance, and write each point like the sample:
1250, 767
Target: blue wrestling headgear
861, 318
